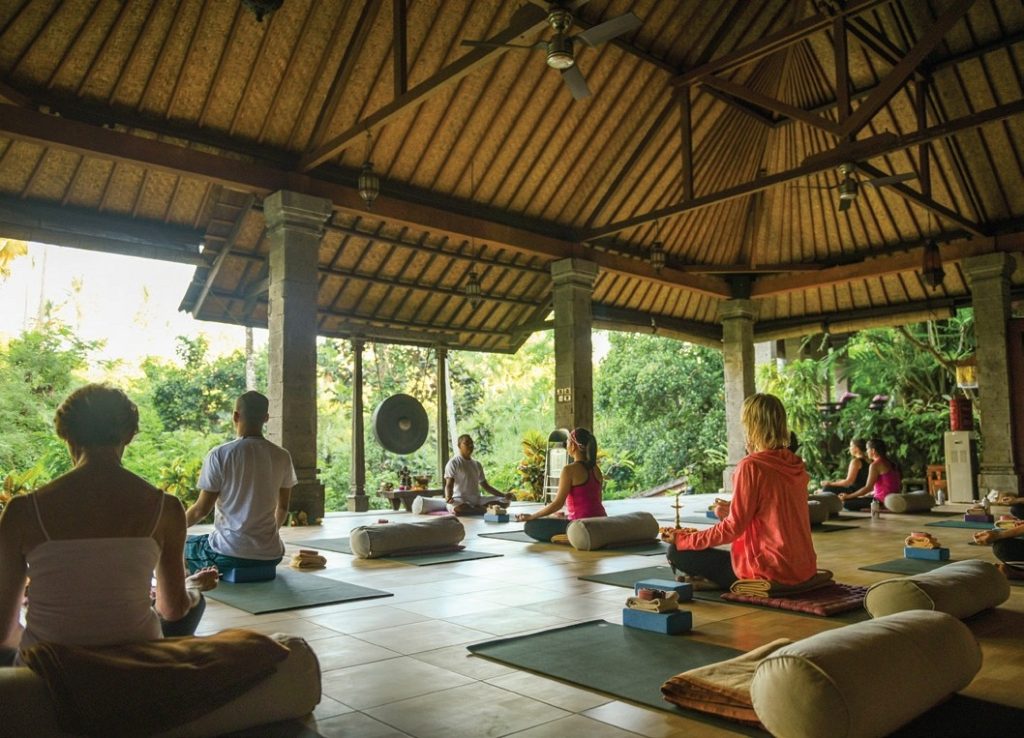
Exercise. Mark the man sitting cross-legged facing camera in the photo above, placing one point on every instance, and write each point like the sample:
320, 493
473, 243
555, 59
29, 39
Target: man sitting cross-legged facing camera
248, 483
463, 478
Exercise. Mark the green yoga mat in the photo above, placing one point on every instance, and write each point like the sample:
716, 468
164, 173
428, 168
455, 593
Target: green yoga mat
832, 528
630, 577
961, 524
905, 566
290, 591
653, 548
626, 663
340, 545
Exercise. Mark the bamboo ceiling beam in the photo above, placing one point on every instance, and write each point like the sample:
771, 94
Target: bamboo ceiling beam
880, 147
909, 261
527, 20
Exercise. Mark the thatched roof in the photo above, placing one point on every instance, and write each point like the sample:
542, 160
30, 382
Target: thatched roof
713, 127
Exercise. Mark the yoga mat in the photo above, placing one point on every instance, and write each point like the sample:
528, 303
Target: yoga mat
962, 524
622, 662
832, 528
962, 716
290, 591
905, 566
640, 549
340, 545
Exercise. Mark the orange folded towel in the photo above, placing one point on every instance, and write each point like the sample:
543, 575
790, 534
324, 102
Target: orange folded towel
921, 540
308, 559
668, 603
768, 588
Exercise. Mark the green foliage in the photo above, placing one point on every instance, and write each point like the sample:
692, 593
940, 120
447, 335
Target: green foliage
660, 404
532, 466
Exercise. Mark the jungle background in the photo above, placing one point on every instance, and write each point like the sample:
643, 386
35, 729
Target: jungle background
658, 405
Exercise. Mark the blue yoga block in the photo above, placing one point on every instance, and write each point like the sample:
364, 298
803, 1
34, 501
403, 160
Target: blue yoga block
930, 554
979, 519
249, 574
488, 518
685, 589
711, 514
669, 623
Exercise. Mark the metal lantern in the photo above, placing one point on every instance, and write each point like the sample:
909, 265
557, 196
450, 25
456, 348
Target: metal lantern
931, 268
967, 373
473, 289
369, 184
262, 7
657, 256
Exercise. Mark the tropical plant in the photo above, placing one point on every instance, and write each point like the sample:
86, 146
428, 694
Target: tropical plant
532, 467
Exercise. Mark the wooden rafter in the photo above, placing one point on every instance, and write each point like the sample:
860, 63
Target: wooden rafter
399, 50
908, 193
686, 144
767, 102
222, 255
880, 148
526, 21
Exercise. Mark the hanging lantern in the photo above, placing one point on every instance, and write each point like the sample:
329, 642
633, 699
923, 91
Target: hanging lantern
369, 184
657, 256
262, 8
472, 289
967, 373
931, 268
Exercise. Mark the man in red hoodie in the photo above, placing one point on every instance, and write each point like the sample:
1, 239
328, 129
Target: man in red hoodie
767, 520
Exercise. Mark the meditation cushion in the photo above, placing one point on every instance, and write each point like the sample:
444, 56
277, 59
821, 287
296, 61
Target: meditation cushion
292, 691
422, 505
960, 589
817, 511
831, 502
910, 502
373, 541
865, 679
590, 534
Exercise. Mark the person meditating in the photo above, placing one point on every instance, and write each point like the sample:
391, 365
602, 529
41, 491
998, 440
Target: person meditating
579, 491
91, 540
1007, 546
884, 479
248, 483
766, 521
463, 478
856, 474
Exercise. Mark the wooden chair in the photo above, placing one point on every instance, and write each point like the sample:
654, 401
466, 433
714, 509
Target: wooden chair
936, 475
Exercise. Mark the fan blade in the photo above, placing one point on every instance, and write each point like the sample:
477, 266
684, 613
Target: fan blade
577, 85
541, 45
845, 204
893, 179
609, 29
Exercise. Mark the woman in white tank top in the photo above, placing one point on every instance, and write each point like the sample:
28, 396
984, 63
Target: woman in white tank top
91, 541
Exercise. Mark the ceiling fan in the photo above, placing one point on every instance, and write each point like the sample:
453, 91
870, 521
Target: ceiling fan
559, 47
850, 183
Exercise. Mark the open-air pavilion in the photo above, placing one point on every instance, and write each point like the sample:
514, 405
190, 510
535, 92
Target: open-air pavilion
725, 173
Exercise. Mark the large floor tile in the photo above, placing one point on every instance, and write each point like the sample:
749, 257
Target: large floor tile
342, 650
355, 725
461, 661
380, 682
370, 618
557, 694
572, 726
425, 636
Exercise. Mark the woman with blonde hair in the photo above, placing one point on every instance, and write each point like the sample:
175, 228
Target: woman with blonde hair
91, 541
767, 521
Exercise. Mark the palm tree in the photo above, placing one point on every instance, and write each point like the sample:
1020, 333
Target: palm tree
9, 251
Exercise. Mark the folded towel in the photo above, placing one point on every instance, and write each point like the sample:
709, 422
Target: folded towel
922, 540
308, 559
150, 687
721, 689
561, 539
496, 510
668, 603
1004, 524
768, 588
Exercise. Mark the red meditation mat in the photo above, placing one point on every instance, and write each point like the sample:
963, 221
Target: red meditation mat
829, 600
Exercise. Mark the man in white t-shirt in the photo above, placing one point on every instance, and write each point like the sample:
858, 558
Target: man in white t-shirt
247, 483
463, 478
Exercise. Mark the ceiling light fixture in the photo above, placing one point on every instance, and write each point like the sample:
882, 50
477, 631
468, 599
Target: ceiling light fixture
931, 267
262, 7
657, 256
473, 290
369, 182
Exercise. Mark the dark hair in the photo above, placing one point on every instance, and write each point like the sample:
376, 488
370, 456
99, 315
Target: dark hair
586, 441
794, 442
878, 445
859, 444
97, 415
463, 437
252, 406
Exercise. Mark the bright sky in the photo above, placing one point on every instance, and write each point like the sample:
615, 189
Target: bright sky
130, 303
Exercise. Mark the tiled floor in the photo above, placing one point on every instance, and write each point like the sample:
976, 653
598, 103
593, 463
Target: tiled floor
398, 666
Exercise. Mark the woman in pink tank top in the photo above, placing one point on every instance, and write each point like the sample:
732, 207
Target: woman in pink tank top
579, 491
884, 479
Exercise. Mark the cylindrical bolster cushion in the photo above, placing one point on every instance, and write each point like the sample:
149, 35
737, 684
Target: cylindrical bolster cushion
589, 534
909, 502
373, 541
831, 502
865, 679
817, 511
960, 589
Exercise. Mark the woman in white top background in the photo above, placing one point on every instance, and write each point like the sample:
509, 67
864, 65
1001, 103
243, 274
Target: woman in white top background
91, 541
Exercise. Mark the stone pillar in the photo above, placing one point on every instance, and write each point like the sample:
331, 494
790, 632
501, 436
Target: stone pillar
357, 499
574, 370
295, 224
989, 279
444, 444
737, 318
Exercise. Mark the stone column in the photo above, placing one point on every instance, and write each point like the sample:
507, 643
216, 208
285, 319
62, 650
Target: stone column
444, 444
737, 318
574, 370
295, 224
989, 279
357, 499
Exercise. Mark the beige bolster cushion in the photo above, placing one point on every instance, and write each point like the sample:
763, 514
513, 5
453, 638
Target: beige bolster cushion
831, 502
909, 502
817, 511
865, 679
385, 539
292, 691
960, 589
589, 534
